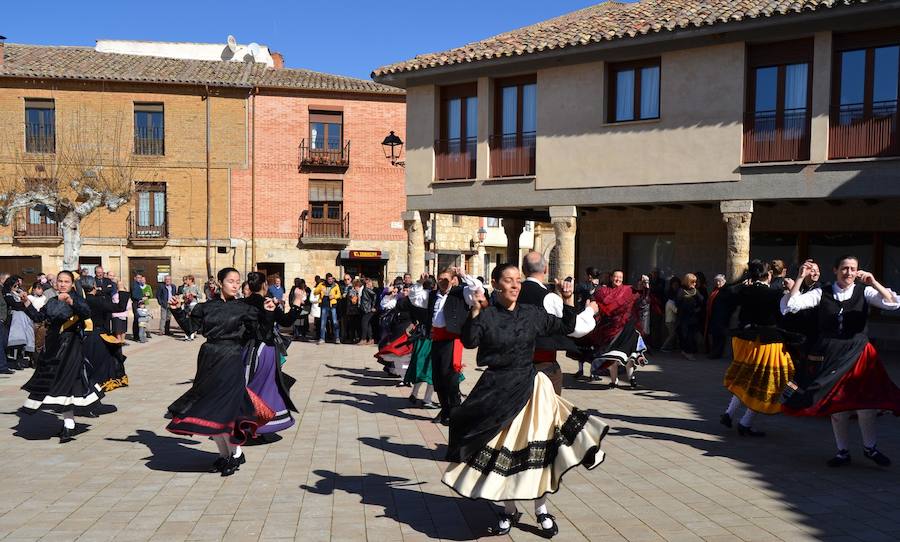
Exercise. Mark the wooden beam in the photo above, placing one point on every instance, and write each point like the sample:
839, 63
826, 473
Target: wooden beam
673, 206
644, 207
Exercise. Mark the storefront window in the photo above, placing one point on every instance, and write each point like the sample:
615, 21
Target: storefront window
825, 248
647, 252
766, 247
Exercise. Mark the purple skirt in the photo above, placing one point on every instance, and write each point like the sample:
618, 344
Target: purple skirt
262, 374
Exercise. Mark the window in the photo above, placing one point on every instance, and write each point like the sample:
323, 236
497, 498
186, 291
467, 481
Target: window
766, 246
864, 114
457, 220
151, 211
515, 127
776, 126
646, 252
456, 150
634, 90
824, 248
890, 274
40, 125
326, 130
492, 222
325, 200
149, 129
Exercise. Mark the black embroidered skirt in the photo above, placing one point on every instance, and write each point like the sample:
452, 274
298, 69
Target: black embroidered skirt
528, 457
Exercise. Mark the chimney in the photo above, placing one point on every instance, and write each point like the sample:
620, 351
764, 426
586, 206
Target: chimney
1, 49
278, 58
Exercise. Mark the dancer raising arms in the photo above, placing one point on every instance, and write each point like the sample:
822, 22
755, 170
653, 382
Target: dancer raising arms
60, 381
843, 373
218, 404
513, 438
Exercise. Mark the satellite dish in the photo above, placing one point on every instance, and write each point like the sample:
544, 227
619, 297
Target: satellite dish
232, 44
254, 50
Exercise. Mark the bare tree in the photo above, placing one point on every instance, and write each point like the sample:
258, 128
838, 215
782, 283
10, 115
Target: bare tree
89, 166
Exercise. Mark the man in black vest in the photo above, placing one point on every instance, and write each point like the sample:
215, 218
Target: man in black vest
448, 308
535, 292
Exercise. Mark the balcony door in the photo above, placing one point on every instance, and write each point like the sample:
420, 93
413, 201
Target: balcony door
151, 211
864, 114
326, 209
515, 128
776, 127
456, 150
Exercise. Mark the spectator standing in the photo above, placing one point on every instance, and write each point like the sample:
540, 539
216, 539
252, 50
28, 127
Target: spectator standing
584, 291
352, 312
779, 272
276, 290
301, 325
105, 286
718, 314
345, 286
329, 293
50, 287
137, 297
368, 308
164, 293
690, 303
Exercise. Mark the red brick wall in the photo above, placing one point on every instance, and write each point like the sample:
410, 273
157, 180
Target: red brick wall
374, 192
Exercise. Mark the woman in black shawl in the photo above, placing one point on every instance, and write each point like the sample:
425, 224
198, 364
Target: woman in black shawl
102, 349
513, 438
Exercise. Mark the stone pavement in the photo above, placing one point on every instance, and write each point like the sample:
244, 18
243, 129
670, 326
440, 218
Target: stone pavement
362, 464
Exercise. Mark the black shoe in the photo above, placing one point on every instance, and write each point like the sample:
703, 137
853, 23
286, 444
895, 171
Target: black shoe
840, 459
879, 458
745, 431
241, 459
725, 419
7, 371
633, 382
219, 464
413, 399
230, 467
613, 385
445, 421
553, 530
511, 518
65, 435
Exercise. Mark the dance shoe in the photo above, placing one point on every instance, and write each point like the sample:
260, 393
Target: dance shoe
840, 459
879, 458
745, 431
725, 419
506, 522
554, 528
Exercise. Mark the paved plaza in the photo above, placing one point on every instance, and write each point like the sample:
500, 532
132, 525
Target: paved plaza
363, 464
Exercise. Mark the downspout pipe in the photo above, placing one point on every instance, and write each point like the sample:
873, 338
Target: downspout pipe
209, 271
254, 92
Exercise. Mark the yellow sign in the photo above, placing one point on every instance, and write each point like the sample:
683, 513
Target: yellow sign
366, 254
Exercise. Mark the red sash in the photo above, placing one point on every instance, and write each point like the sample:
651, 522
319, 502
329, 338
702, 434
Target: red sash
441, 334
544, 356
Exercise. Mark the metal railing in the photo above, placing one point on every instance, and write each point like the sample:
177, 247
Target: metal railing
513, 155
774, 136
149, 231
858, 132
149, 141
25, 229
40, 138
455, 158
332, 156
312, 228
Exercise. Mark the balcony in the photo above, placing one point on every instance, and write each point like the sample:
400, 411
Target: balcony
455, 158
149, 141
512, 155
334, 157
42, 234
40, 138
856, 132
771, 136
148, 235
324, 231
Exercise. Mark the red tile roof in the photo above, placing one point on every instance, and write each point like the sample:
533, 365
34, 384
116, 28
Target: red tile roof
608, 21
85, 63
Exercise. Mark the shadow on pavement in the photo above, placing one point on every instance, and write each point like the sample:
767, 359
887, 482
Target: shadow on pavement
40, 425
404, 501
364, 377
171, 454
375, 403
411, 451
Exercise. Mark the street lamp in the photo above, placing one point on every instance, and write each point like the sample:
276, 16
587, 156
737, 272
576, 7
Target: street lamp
482, 233
393, 148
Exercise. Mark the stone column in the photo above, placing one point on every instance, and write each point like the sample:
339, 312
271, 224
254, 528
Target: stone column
736, 214
513, 228
564, 220
415, 243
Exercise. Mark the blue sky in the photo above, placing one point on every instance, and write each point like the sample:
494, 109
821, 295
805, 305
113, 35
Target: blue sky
349, 37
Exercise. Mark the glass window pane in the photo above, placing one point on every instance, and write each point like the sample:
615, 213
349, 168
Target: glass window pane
887, 68
454, 118
795, 79
317, 135
334, 136
766, 247
334, 212
143, 208
824, 248
34, 217
853, 77
471, 117
766, 89
510, 98
625, 95
318, 211
647, 252
650, 92
159, 208
529, 108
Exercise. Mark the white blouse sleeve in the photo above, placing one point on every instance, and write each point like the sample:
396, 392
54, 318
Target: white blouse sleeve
418, 296
472, 285
875, 299
584, 324
801, 302
388, 302
553, 304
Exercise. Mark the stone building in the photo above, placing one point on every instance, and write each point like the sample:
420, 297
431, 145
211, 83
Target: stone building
678, 135
190, 124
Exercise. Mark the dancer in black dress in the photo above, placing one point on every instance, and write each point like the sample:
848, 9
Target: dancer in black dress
60, 381
513, 438
102, 349
219, 405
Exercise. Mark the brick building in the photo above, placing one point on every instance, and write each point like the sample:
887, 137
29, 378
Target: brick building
165, 110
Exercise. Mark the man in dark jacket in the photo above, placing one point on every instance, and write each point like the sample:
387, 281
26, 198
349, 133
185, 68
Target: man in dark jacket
164, 293
137, 295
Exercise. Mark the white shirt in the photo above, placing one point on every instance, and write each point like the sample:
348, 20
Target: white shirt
37, 301
553, 304
471, 284
813, 297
